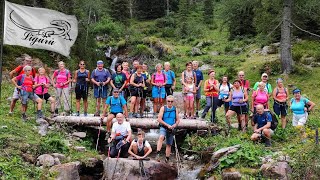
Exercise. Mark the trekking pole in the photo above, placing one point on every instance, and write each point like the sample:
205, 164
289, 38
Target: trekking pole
44, 108
97, 143
177, 154
115, 166
212, 120
71, 97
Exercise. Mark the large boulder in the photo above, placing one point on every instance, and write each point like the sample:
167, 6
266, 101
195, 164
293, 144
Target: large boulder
277, 170
178, 100
68, 171
45, 160
124, 168
196, 51
269, 50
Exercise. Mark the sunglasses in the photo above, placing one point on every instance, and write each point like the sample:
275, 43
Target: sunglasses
241, 75
170, 101
82, 64
116, 92
28, 70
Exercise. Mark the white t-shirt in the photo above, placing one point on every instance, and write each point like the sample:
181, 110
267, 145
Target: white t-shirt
121, 129
224, 89
140, 146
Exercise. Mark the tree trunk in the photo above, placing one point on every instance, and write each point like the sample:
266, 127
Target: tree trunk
145, 123
286, 56
168, 10
131, 9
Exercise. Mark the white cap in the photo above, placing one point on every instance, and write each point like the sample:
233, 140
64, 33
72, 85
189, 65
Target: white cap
264, 74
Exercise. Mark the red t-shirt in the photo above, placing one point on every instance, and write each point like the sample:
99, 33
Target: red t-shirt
246, 85
27, 83
20, 71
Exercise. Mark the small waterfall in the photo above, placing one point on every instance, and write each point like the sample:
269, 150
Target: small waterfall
108, 52
113, 64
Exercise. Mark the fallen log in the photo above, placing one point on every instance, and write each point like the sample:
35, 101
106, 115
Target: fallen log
144, 123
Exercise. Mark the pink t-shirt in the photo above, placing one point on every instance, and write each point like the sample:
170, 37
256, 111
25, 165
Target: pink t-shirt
61, 77
260, 97
159, 78
40, 80
282, 95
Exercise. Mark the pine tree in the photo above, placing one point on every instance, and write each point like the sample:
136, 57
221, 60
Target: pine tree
183, 18
119, 10
208, 11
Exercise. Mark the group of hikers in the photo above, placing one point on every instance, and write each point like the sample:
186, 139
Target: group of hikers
137, 84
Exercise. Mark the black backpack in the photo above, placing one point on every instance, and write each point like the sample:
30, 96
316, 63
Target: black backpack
274, 122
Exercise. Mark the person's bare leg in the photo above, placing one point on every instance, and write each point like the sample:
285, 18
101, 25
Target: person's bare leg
13, 104
85, 105
78, 104
132, 103
284, 121
159, 143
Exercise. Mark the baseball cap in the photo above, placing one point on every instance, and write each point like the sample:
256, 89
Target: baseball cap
99, 62
264, 74
115, 90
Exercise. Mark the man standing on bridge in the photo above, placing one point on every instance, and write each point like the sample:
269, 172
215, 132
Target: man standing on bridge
168, 119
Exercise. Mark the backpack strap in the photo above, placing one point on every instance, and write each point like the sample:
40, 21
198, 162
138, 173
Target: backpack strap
229, 86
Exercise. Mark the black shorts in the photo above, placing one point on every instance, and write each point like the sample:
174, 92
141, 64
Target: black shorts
239, 109
168, 89
81, 91
115, 114
137, 92
45, 96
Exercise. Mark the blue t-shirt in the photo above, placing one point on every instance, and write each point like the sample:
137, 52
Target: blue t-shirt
100, 76
298, 107
262, 119
199, 76
119, 79
116, 104
170, 76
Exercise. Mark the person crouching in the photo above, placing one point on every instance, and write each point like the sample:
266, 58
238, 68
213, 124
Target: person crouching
262, 125
140, 148
120, 136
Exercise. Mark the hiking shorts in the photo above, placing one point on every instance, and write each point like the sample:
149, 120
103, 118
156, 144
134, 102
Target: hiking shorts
168, 88
239, 109
271, 132
158, 92
299, 119
198, 94
137, 92
27, 95
100, 92
280, 108
45, 96
81, 91
189, 97
169, 136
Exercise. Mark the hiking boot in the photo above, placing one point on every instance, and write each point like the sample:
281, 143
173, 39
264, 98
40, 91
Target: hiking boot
239, 127
24, 117
53, 115
138, 116
155, 115
97, 114
10, 113
203, 116
267, 142
85, 114
39, 114
67, 113
56, 111
78, 113
130, 115
158, 158
197, 114
134, 115
166, 160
